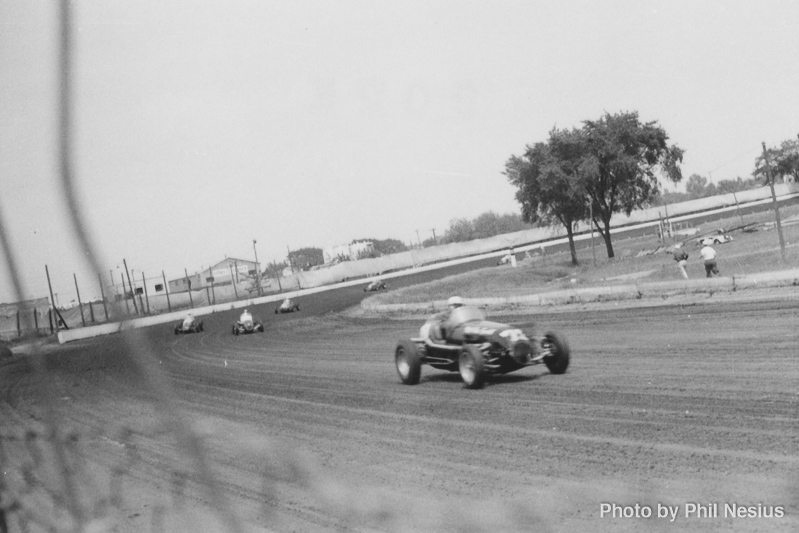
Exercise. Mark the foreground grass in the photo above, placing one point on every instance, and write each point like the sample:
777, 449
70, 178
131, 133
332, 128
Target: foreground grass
749, 253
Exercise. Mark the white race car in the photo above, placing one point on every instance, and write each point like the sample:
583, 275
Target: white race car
376, 285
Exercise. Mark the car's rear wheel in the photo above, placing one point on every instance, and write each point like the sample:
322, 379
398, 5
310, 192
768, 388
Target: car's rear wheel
202, 328
558, 360
234, 330
409, 364
472, 367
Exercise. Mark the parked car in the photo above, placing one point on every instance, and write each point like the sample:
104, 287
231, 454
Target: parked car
713, 239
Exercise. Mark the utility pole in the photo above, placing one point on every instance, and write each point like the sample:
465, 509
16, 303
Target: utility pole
288, 258
257, 270
435, 240
188, 287
52, 297
80, 305
774, 201
166, 288
132, 292
418, 238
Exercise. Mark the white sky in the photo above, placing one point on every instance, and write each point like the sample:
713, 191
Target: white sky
200, 126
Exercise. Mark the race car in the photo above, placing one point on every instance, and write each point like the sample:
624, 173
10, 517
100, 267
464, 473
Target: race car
189, 326
246, 324
288, 306
477, 348
713, 239
376, 285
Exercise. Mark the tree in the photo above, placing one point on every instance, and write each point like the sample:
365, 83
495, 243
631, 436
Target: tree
305, 258
695, 186
274, 269
623, 160
784, 162
550, 178
385, 246
460, 230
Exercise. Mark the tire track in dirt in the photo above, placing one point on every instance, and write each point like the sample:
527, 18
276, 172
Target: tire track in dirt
652, 394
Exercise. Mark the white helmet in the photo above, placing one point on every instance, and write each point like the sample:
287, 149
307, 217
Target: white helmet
455, 301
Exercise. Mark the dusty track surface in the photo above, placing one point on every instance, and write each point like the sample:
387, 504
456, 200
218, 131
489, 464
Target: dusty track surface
308, 428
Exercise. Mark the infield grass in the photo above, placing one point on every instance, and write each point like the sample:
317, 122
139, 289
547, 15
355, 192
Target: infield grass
748, 253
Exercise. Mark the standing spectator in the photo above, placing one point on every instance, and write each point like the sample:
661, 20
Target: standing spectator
681, 256
709, 255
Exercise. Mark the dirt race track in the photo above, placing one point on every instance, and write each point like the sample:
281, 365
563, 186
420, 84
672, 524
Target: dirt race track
307, 427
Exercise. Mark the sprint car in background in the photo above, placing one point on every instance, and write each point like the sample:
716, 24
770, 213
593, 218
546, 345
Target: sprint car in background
288, 306
184, 326
376, 285
247, 325
477, 348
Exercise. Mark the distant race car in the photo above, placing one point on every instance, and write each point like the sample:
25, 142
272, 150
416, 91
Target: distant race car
288, 306
195, 326
469, 344
376, 285
713, 239
247, 325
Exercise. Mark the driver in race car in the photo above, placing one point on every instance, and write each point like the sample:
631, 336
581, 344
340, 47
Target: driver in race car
287, 304
245, 317
435, 324
188, 321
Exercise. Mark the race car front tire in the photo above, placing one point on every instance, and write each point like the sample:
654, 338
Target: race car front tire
409, 364
558, 361
471, 366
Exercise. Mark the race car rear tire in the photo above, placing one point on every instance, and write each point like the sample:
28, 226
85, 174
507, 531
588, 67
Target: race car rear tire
260, 328
234, 330
177, 331
471, 366
201, 327
409, 364
558, 362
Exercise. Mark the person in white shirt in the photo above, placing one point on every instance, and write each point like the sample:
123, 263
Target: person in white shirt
709, 255
245, 317
188, 321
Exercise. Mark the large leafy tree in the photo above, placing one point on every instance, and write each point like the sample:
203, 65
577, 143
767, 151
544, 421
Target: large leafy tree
624, 159
784, 162
550, 178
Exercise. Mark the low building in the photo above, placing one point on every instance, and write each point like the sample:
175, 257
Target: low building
222, 273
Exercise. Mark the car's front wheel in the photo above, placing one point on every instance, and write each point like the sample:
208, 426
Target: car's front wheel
471, 366
559, 354
409, 364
